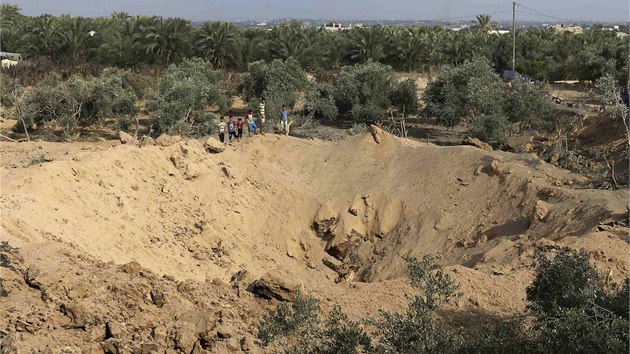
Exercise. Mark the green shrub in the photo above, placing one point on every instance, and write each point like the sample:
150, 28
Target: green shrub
320, 102
404, 97
279, 82
490, 128
297, 319
566, 281
76, 102
418, 330
138, 83
8, 85
460, 93
573, 310
184, 93
298, 327
369, 113
363, 91
527, 103
358, 128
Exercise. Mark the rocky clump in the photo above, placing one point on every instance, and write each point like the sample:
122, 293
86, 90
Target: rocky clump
214, 146
277, 284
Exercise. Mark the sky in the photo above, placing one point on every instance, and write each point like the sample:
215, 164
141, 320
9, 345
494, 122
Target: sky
230, 10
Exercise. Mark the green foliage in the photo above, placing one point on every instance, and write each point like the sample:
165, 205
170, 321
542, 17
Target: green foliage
297, 319
527, 103
183, 95
490, 128
460, 93
298, 327
46, 102
358, 128
404, 97
123, 123
473, 94
418, 330
76, 102
573, 310
320, 102
567, 281
615, 109
37, 159
342, 336
279, 82
8, 86
364, 91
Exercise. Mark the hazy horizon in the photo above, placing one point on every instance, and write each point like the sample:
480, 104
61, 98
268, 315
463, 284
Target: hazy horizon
243, 10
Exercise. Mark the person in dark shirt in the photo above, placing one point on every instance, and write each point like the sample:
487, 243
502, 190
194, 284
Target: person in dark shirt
239, 129
232, 129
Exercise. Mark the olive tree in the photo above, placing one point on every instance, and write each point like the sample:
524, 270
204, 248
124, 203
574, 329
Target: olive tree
184, 93
363, 91
278, 82
77, 102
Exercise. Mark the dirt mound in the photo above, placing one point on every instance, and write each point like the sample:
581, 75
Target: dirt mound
116, 232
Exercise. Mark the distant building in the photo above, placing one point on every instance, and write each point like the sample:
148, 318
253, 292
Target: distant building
11, 56
572, 29
498, 31
337, 26
459, 28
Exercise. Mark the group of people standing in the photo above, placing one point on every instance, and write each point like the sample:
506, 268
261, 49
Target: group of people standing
234, 129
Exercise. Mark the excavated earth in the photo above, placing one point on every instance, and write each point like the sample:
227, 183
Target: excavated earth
110, 248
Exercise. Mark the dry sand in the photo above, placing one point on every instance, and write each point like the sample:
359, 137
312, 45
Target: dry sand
134, 248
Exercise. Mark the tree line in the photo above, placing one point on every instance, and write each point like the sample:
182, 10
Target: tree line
135, 41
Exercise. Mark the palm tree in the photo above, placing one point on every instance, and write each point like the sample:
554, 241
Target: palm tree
412, 47
43, 35
484, 23
10, 16
435, 57
74, 36
333, 47
120, 43
219, 43
294, 41
366, 44
167, 40
252, 47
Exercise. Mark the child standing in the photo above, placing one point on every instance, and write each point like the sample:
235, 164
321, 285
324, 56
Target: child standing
261, 112
239, 127
251, 125
222, 129
231, 129
284, 119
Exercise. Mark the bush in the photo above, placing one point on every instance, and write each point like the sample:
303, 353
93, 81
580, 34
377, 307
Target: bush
489, 128
528, 104
418, 330
8, 85
138, 83
566, 281
297, 319
320, 103
358, 128
573, 310
367, 113
363, 91
76, 102
278, 82
404, 97
184, 93
297, 326
460, 93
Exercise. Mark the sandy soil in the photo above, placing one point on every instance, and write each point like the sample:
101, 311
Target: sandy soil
135, 248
